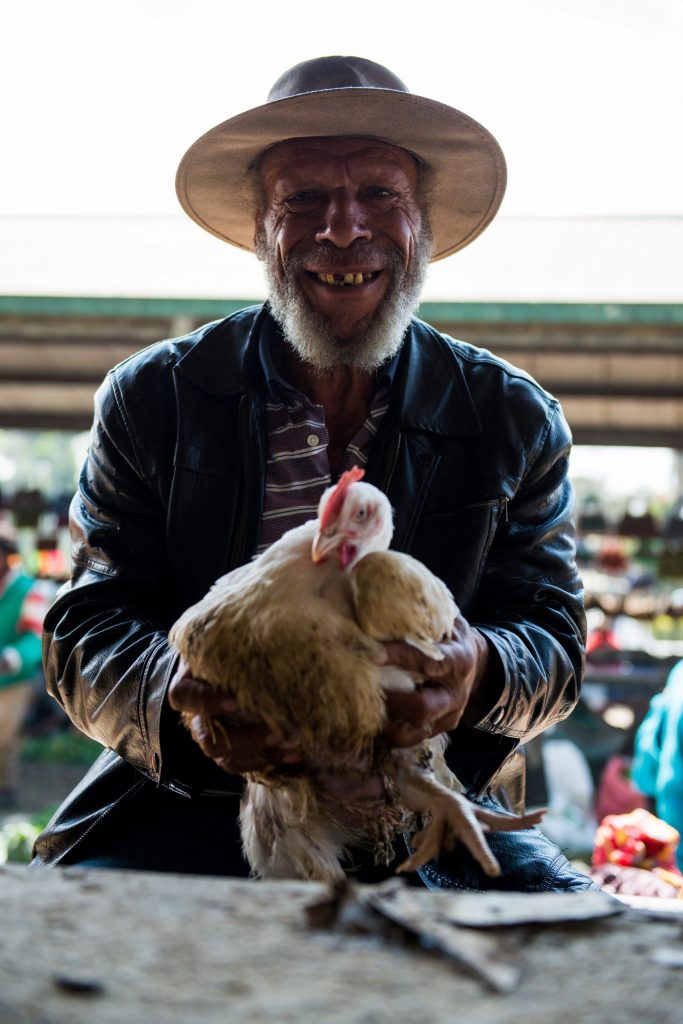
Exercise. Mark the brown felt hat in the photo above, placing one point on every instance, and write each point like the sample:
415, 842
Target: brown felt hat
347, 96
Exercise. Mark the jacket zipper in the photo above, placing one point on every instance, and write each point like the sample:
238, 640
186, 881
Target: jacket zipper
388, 478
238, 543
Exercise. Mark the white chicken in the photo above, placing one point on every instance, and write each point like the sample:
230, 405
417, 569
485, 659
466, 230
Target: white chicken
296, 636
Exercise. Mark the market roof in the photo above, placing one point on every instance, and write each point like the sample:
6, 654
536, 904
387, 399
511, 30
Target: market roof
617, 368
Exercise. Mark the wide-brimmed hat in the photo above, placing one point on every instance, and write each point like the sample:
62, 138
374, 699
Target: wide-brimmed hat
347, 96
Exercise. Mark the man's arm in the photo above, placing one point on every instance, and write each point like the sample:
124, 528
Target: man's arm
530, 602
107, 658
106, 655
515, 668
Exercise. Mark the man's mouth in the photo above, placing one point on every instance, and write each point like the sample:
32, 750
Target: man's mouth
352, 278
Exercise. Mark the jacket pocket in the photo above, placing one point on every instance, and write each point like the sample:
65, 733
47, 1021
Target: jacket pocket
455, 545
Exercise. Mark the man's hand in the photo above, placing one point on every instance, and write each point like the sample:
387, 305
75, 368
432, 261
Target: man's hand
439, 704
222, 732
240, 746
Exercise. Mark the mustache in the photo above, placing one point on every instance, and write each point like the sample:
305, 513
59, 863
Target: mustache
325, 256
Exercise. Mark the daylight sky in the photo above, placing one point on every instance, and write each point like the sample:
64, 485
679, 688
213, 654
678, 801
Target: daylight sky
101, 100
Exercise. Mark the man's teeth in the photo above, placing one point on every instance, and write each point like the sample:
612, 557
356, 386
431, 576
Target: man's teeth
346, 279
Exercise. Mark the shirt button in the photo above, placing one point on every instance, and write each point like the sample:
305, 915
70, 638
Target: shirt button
312, 440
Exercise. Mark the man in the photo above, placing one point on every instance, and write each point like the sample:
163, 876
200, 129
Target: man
22, 607
206, 448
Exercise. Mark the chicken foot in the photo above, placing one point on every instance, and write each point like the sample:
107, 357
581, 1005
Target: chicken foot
453, 818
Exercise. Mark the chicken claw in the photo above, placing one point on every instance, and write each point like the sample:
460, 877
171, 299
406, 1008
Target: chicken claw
454, 818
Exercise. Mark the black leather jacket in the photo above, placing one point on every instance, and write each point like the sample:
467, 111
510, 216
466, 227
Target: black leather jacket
473, 456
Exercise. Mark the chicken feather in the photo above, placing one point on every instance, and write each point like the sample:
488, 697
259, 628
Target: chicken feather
421, 610
289, 654
296, 637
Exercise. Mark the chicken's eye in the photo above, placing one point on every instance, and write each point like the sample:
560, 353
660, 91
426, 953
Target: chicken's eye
361, 514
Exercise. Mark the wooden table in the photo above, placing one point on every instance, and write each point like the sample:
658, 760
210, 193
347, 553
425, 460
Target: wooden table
110, 946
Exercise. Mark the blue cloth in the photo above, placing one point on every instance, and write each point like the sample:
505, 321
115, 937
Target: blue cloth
529, 861
657, 767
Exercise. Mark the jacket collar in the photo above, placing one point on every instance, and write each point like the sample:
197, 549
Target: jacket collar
429, 390
222, 357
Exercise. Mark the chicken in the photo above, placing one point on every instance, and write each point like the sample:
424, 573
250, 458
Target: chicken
297, 636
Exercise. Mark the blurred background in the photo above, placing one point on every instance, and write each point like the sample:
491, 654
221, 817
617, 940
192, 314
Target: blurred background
579, 280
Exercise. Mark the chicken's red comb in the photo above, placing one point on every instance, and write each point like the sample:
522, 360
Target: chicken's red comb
336, 499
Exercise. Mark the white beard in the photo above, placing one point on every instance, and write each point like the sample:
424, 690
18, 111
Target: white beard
314, 338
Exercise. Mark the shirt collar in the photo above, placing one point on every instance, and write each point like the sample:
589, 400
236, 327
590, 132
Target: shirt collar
275, 382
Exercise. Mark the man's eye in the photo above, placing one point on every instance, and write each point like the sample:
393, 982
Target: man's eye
379, 192
306, 195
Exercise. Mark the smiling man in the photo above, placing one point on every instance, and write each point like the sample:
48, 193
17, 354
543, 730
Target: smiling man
345, 246
207, 448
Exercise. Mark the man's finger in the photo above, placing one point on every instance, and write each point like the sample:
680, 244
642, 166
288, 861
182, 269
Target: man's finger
195, 696
414, 717
217, 739
408, 657
241, 748
405, 734
426, 704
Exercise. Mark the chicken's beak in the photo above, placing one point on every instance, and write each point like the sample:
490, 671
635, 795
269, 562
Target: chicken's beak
323, 545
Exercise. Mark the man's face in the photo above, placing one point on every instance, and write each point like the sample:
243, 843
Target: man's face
345, 246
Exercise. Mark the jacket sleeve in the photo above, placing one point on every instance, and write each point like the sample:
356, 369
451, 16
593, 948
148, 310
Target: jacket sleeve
106, 656
530, 601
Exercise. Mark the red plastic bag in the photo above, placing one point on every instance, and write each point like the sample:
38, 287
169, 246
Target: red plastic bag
638, 839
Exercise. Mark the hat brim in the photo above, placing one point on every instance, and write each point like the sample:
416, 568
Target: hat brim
467, 163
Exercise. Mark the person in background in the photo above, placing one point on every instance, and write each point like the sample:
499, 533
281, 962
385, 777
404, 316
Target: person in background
22, 609
657, 767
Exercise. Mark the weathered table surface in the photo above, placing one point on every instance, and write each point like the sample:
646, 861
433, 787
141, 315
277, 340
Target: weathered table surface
101, 946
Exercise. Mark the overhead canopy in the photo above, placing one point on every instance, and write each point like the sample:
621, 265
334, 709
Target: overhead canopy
617, 368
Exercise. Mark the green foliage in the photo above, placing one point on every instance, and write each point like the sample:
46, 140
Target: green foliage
68, 747
46, 459
19, 832
17, 837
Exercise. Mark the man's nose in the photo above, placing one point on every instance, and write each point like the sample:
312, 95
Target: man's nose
345, 222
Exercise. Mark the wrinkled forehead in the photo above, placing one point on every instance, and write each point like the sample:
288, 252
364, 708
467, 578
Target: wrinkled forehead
300, 156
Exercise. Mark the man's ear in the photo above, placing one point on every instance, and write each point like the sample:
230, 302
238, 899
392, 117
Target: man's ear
260, 245
252, 195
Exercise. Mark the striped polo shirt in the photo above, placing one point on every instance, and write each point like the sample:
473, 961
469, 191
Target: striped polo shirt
297, 468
